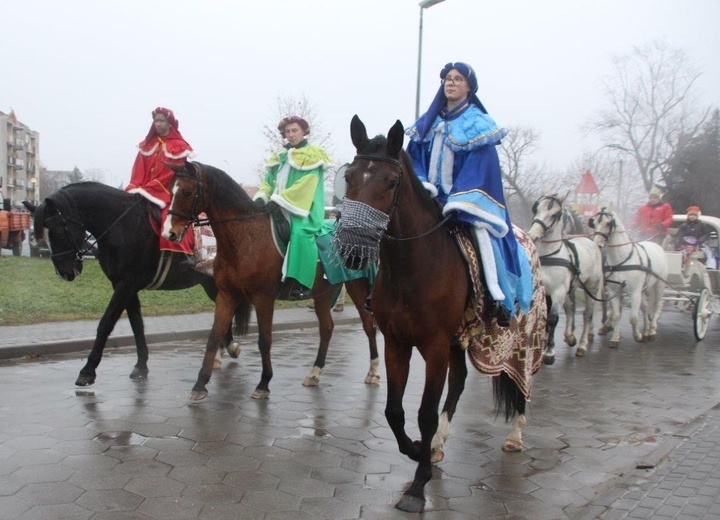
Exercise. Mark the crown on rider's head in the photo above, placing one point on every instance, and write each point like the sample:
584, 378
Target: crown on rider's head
695, 210
655, 192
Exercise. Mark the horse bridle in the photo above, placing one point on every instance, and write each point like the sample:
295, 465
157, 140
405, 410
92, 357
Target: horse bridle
396, 196
197, 177
611, 225
77, 251
556, 218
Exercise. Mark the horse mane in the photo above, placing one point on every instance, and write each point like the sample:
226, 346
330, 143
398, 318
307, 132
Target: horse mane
224, 189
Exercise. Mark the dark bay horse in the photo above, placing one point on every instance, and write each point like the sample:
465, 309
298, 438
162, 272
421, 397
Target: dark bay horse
249, 265
129, 255
420, 298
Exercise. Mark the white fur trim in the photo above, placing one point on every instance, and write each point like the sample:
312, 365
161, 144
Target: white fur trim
149, 197
489, 266
185, 154
474, 210
149, 152
430, 188
284, 204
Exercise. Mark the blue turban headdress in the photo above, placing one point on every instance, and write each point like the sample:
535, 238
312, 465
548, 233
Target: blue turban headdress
426, 121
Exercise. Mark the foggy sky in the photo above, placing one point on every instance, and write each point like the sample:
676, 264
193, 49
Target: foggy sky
87, 74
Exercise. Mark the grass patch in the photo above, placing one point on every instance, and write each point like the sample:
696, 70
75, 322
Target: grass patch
31, 292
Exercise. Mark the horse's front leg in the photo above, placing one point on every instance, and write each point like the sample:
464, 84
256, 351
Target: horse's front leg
436, 367
615, 315
586, 335
224, 308
552, 320
569, 308
119, 300
359, 290
134, 313
264, 309
456, 385
635, 304
654, 310
325, 328
397, 366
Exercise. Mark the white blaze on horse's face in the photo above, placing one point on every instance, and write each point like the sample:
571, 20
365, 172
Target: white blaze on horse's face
167, 225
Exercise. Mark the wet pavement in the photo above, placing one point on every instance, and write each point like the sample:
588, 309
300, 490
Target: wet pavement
622, 433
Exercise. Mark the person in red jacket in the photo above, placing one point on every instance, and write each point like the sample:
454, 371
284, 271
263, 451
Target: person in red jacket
653, 218
151, 178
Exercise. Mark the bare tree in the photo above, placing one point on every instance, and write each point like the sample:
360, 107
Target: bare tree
652, 108
523, 180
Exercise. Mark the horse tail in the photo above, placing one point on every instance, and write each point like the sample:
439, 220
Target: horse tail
507, 395
242, 317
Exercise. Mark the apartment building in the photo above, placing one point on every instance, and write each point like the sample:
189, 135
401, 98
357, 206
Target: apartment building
19, 160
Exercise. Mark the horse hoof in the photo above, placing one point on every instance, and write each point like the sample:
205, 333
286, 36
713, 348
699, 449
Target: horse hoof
234, 349
197, 395
512, 446
650, 338
84, 380
549, 360
437, 456
372, 379
580, 352
602, 331
571, 341
139, 373
260, 394
411, 504
310, 381
614, 344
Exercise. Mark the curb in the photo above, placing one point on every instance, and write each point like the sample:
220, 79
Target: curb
67, 346
615, 488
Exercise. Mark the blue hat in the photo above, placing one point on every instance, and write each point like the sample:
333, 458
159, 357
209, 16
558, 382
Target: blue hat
425, 122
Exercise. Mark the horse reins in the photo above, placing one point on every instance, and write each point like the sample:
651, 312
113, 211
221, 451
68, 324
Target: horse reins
396, 196
78, 252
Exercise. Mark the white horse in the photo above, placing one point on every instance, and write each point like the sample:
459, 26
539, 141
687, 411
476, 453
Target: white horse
566, 264
638, 268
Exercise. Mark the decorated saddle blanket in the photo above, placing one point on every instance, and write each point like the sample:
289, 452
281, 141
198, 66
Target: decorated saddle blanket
516, 350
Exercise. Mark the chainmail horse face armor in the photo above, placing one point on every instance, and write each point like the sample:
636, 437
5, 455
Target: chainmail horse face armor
357, 241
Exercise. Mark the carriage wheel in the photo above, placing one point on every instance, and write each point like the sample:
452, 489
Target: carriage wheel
701, 314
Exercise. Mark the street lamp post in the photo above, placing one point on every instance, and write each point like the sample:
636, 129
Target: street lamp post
424, 4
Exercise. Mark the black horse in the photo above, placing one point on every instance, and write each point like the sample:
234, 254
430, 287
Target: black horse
126, 227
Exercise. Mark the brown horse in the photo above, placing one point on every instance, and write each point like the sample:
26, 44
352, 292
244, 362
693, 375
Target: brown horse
421, 299
248, 265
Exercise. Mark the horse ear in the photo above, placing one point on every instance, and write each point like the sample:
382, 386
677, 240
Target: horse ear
395, 138
591, 222
564, 197
535, 206
174, 167
358, 133
29, 206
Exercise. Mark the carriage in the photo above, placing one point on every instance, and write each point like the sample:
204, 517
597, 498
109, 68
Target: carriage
691, 283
